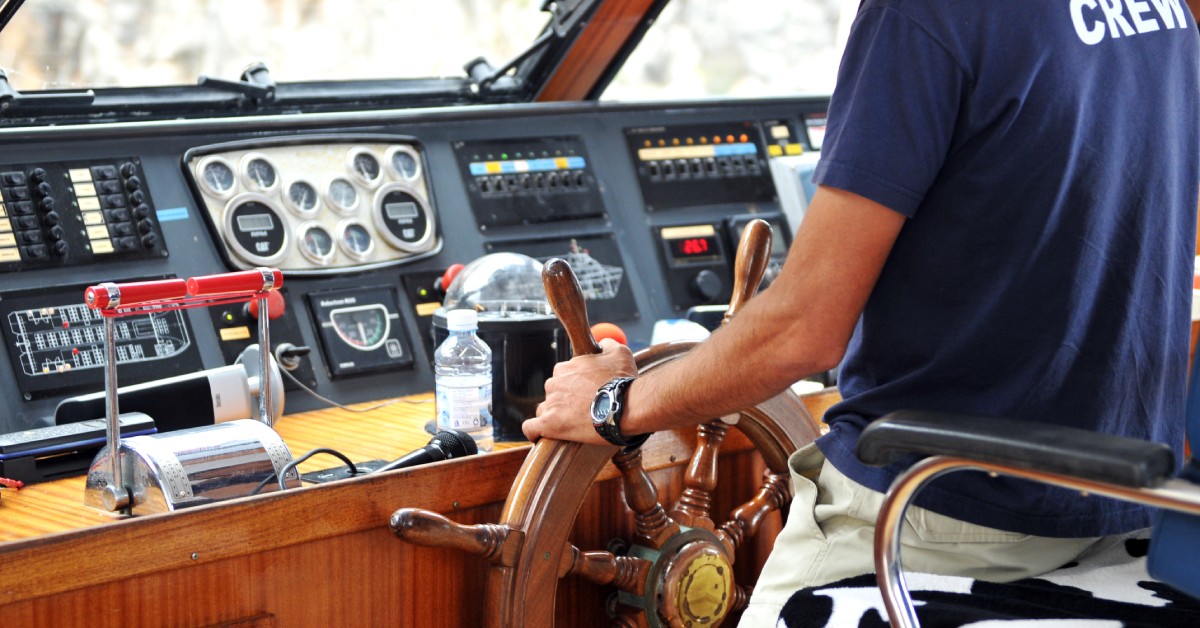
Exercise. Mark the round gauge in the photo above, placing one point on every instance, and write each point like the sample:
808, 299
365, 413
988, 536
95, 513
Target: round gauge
403, 218
217, 176
365, 166
259, 173
363, 327
356, 241
403, 161
302, 196
254, 229
342, 196
316, 243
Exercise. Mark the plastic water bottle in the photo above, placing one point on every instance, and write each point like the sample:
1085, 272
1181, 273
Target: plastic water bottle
462, 368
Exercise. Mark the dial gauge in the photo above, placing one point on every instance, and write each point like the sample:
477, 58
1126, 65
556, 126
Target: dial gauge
217, 177
356, 241
404, 163
364, 327
302, 196
365, 166
316, 243
342, 196
259, 173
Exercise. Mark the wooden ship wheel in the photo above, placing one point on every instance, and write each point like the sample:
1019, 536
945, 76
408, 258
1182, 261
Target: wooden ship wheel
678, 570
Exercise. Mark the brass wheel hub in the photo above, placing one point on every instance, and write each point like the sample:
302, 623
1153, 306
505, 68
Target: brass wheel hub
697, 586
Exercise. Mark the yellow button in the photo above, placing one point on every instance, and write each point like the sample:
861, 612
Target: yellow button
774, 150
794, 149
10, 255
235, 333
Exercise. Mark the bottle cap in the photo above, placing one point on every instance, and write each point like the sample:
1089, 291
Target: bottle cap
462, 320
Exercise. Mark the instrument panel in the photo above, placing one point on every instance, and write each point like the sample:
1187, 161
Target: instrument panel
318, 206
364, 212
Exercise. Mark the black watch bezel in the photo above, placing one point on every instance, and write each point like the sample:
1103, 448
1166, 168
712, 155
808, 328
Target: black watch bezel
608, 424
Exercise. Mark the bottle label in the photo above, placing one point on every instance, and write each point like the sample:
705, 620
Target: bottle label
467, 408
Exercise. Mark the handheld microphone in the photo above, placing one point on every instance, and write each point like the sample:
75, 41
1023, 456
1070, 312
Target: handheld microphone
444, 445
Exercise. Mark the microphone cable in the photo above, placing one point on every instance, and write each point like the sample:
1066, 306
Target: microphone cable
301, 460
331, 402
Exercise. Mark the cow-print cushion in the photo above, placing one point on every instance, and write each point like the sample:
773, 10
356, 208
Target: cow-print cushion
1108, 588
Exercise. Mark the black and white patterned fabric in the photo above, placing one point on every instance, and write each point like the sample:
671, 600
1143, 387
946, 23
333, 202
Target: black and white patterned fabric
1108, 588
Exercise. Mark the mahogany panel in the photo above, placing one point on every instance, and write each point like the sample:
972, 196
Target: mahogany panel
319, 555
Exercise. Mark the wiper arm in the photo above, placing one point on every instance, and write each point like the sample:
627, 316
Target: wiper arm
10, 98
490, 79
565, 17
255, 83
8, 10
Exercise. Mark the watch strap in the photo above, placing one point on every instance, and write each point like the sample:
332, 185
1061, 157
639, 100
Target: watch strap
610, 428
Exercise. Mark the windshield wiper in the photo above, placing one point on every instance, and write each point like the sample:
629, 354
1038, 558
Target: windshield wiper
7, 10
490, 80
565, 19
10, 98
255, 83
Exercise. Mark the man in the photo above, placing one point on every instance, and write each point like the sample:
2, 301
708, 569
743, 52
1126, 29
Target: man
1004, 226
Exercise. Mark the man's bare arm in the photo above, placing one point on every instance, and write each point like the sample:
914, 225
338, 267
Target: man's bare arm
798, 326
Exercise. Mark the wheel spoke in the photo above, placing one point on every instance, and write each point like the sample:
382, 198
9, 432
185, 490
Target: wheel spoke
627, 573
495, 543
653, 525
773, 495
694, 508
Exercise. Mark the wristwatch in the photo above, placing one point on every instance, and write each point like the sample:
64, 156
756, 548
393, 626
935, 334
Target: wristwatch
608, 406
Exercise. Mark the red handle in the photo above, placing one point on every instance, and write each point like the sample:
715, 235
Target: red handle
112, 295
246, 281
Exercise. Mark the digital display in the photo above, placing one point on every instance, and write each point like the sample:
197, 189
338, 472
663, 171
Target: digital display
255, 222
704, 247
401, 211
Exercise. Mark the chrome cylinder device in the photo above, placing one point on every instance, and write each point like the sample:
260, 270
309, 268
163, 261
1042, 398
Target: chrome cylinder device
192, 467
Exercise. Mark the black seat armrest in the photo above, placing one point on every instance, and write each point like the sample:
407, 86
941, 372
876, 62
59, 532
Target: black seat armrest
1023, 444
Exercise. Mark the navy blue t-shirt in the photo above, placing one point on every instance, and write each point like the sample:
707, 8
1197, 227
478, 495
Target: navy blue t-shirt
1047, 154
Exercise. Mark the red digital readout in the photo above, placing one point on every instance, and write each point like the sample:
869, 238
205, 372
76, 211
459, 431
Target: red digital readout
694, 246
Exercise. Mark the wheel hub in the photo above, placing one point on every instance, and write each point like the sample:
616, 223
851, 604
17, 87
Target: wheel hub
697, 585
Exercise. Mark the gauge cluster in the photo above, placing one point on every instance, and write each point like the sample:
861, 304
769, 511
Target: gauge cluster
317, 205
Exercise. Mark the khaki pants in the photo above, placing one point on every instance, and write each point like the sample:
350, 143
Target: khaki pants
830, 533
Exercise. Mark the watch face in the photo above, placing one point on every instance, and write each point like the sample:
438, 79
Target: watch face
602, 406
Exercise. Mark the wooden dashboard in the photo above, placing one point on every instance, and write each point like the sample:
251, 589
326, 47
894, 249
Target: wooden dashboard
320, 555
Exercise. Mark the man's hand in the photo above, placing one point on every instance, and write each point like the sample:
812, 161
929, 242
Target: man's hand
569, 393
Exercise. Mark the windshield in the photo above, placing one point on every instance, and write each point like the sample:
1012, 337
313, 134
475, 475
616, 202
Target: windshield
734, 48
75, 44
696, 48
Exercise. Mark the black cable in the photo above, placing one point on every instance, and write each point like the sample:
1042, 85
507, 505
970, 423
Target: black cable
301, 460
331, 402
